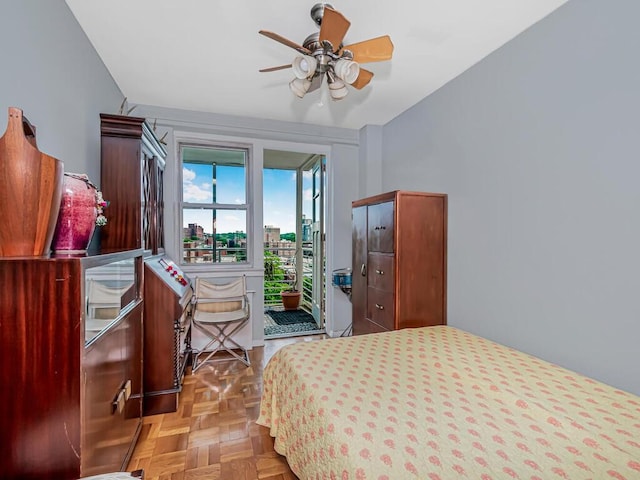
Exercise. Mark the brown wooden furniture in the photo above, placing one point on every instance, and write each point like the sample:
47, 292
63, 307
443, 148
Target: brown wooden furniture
72, 385
399, 261
132, 170
167, 333
131, 177
30, 190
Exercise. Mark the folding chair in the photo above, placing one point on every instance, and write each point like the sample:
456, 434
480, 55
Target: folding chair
104, 301
219, 311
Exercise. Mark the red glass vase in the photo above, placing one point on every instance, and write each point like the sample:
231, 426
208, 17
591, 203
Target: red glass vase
77, 217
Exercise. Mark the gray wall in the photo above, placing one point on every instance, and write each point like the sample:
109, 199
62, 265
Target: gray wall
370, 161
51, 71
537, 147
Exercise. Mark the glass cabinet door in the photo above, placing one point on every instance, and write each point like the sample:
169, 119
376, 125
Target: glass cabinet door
111, 290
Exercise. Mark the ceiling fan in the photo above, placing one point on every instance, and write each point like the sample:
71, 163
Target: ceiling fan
322, 54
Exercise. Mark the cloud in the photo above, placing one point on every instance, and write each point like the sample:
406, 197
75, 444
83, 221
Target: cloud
229, 217
195, 193
188, 175
307, 194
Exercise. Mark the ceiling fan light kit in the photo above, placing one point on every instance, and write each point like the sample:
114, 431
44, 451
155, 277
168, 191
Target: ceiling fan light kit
300, 86
323, 55
304, 66
337, 88
347, 70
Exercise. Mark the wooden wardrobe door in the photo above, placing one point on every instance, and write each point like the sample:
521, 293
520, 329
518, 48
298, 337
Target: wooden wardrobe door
359, 278
381, 230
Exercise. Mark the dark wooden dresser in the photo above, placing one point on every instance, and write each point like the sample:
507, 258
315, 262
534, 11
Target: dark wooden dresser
71, 363
399, 261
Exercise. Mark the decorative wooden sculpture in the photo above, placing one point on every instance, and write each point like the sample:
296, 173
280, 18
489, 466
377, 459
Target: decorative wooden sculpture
30, 191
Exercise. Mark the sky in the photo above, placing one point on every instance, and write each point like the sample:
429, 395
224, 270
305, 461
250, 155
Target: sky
279, 197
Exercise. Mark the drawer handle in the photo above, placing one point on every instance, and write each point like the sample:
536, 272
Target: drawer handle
121, 398
363, 270
381, 227
379, 307
380, 272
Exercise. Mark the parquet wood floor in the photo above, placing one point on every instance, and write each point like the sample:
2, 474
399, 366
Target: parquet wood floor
213, 435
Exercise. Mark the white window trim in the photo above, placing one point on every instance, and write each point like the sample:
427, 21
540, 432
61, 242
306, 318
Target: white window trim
209, 141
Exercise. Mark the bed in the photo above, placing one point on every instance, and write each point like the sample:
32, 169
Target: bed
439, 403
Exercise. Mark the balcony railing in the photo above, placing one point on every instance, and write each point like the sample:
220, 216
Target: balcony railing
273, 288
206, 254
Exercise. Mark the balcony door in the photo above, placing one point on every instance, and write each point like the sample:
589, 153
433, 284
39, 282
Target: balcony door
294, 232
317, 222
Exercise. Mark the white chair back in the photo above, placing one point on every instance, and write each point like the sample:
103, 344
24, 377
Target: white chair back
228, 297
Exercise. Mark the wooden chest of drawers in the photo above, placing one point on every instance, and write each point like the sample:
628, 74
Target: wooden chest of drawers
399, 261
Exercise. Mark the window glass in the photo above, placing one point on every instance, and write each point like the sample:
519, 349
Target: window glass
214, 205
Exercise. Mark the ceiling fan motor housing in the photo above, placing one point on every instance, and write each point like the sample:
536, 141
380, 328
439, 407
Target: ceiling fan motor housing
323, 63
317, 12
326, 57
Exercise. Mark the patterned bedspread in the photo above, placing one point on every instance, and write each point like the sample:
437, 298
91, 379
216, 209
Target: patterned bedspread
439, 403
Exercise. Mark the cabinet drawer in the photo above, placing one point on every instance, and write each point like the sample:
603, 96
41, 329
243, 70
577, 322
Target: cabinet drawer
380, 271
367, 326
380, 307
113, 396
380, 227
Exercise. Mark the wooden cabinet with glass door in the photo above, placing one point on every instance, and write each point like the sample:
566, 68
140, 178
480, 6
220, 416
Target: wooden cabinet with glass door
131, 179
70, 364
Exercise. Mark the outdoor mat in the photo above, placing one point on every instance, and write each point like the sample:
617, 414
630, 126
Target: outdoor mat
290, 317
275, 331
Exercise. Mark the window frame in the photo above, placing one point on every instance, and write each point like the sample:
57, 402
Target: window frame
246, 207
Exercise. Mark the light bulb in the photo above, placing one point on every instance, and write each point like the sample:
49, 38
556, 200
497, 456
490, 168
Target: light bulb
347, 70
304, 66
337, 89
299, 86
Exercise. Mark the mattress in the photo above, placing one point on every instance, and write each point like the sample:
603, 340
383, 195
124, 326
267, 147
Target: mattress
439, 403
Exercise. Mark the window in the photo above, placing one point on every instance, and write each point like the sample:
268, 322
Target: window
214, 204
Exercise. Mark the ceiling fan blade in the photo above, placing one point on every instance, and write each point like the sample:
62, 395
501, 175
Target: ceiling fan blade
284, 41
363, 79
334, 27
315, 83
273, 69
376, 49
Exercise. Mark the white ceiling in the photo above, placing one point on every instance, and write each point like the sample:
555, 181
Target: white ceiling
204, 55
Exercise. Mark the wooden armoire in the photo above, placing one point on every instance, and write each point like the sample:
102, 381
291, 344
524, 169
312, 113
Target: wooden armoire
399, 253
132, 174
